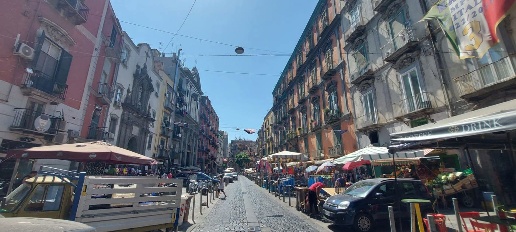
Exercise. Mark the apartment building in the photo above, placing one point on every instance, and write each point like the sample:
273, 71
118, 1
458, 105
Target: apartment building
312, 112
209, 133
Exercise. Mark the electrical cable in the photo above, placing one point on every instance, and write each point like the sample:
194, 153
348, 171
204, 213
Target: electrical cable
182, 24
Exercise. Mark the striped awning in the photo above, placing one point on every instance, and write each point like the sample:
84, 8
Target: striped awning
378, 153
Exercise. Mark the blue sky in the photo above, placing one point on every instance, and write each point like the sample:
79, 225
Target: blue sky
268, 27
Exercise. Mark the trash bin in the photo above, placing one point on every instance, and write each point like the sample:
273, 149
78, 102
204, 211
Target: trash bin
186, 212
182, 210
488, 201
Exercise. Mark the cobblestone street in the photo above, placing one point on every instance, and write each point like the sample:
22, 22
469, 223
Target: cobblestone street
249, 208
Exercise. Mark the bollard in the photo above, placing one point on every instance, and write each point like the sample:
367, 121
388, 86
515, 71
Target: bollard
284, 193
431, 223
412, 217
289, 195
200, 204
207, 200
457, 215
193, 209
391, 219
494, 199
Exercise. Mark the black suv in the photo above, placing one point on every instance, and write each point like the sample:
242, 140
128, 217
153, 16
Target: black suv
365, 203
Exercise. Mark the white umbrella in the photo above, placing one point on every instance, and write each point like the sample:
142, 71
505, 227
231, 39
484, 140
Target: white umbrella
327, 164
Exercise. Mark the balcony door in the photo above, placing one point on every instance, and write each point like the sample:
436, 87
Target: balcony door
34, 110
412, 90
397, 25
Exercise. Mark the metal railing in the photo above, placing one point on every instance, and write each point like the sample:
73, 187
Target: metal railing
44, 83
81, 9
488, 75
327, 68
104, 90
25, 119
398, 41
366, 121
415, 103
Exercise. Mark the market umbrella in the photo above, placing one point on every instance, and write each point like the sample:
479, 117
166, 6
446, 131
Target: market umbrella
326, 164
97, 151
311, 168
352, 165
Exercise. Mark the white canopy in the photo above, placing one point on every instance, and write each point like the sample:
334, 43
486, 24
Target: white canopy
286, 155
376, 153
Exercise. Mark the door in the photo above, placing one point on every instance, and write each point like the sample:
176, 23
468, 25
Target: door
412, 89
45, 201
92, 133
33, 110
381, 198
397, 26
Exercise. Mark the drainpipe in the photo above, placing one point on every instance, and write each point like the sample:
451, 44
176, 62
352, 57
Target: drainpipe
438, 59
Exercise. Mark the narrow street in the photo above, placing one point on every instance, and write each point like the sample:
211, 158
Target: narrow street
250, 208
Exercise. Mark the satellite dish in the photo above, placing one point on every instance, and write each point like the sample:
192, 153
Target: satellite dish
42, 123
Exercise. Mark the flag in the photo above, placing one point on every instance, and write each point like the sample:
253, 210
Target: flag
249, 131
465, 26
494, 12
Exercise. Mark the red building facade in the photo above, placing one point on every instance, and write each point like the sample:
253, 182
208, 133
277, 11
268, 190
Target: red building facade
209, 127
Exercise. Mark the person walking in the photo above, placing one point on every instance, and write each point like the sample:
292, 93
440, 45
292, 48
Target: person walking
222, 183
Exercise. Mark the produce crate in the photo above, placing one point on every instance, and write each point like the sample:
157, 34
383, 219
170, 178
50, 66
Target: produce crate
465, 184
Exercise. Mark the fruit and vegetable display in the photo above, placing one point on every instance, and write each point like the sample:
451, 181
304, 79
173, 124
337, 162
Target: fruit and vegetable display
449, 183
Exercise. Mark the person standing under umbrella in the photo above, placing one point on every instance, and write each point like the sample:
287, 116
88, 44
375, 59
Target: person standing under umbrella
313, 193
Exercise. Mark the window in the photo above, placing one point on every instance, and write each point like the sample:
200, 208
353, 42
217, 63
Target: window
354, 16
408, 189
301, 88
333, 101
397, 25
316, 112
414, 96
318, 141
328, 57
368, 99
494, 66
112, 38
374, 138
48, 58
112, 124
118, 95
299, 59
45, 198
387, 189
313, 76
361, 58
124, 55
149, 142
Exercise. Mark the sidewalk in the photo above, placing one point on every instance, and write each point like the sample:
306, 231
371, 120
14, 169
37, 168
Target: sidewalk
196, 214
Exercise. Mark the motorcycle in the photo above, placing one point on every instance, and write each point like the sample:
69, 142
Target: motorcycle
193, 187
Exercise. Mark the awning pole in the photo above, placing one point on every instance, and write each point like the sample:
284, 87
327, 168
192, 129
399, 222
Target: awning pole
475, 174
13, 177
512, 156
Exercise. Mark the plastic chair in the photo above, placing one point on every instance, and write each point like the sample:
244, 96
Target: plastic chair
472, 214
487, 227
440, 222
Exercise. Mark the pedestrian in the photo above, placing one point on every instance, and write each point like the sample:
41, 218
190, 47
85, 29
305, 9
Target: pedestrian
169, 176
222, 183
313, 193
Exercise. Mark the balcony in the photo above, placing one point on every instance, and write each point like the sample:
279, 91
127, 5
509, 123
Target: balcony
302, 98
44, 87
416, 106
405, 41
335, 151
104, 93
176, 135
75, 10
495, 77
356, 30
114, 53
365, 122
316, 125
34, 122
381, 6
331, 116
364, 72
97, 133
166, 131
314, 86
328, 70
168, 105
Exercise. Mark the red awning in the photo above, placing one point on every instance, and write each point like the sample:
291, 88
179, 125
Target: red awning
352, 165
83, 152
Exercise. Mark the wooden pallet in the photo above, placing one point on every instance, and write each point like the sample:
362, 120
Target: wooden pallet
465, 184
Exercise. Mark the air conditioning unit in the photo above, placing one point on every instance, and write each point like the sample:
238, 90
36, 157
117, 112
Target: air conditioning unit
25, 51
72, 134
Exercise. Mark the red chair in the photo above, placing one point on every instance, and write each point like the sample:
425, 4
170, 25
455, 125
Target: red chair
487, 227
468, 215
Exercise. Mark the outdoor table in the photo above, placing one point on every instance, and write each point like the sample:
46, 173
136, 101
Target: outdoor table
504, 223
416, 203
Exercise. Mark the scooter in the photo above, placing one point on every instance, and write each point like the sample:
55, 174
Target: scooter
193, 187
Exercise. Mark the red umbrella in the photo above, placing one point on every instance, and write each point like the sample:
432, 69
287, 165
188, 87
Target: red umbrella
83, 152
352, 165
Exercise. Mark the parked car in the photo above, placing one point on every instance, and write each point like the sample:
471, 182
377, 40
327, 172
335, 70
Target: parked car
229, 177
200, 176
366, 202
235, 175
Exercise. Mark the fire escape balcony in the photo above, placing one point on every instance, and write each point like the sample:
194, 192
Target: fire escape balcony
364, 72
34, 122
492, 78
356, 30
381, 5
415, 106
44, 87
328, 69
104, 93
75, 10
405, 41
335, 151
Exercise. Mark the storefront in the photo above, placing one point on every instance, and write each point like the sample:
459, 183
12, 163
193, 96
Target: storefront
484, 139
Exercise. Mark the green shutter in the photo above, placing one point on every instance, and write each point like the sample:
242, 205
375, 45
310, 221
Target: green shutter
63, 67
37, 48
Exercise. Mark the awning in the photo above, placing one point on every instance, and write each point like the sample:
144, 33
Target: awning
319, 162
399, 161
496, 118
291, 164
377, 153
352, 165
286, 155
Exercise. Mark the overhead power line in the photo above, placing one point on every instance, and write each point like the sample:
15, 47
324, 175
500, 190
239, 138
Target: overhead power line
182, 24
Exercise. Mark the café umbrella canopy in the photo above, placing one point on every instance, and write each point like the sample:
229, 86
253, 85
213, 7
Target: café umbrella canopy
97, 151
311, 168
327, 164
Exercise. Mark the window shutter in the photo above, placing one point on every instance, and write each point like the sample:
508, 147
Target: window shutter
63, 67
37, 48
